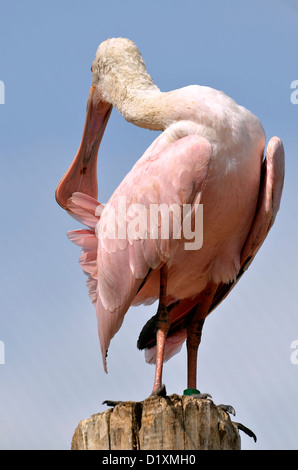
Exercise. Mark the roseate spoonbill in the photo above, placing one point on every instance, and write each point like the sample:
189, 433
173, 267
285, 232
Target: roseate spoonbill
211, 153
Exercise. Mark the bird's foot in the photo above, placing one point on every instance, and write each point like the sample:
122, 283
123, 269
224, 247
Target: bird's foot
161, 391
111, 402
202, 396
247, 431
228, 409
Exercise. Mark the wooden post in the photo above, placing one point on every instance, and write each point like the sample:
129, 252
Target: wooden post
159, 423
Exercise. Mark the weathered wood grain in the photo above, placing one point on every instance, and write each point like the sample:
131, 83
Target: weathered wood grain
159, 423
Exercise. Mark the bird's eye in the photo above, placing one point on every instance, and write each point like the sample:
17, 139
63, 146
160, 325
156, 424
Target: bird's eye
91, 68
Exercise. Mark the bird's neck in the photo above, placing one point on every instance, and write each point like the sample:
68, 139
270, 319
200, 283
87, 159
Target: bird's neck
146, 108
138, 99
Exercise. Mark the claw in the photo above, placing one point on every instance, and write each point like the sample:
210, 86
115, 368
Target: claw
228, 409
202, 396
111, 402
161, 392
247, 431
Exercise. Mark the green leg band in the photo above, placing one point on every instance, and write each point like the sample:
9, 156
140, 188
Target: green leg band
191, 391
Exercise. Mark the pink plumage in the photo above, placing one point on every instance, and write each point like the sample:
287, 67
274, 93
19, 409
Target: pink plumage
209, 155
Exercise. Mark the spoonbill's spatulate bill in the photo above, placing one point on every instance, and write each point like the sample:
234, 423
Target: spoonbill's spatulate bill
186, 221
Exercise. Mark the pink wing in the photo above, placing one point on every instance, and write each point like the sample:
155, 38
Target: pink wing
117, 267
272, 179
271, 186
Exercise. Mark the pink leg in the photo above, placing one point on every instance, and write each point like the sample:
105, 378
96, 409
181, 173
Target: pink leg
163, 324
194, 334
193, 340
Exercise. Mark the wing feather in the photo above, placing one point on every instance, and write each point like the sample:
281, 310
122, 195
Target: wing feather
271, 185
171, 173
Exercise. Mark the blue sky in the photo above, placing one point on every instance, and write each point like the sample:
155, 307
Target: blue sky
52, 376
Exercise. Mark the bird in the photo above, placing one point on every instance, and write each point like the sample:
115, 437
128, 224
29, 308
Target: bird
209, 154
